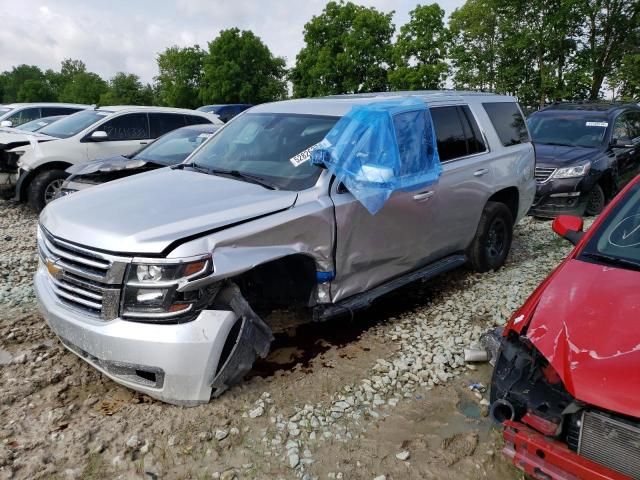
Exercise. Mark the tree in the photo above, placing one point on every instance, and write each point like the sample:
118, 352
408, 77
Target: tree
84, 87
611, 31
36, 91
180, 76
420, 51
126, 89
16, 78
627, 77
347, 50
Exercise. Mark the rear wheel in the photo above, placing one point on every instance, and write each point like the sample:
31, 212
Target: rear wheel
492, 242
596, 201
45, 187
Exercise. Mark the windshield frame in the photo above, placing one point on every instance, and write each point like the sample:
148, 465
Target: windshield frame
296, 186
566, 114
606, 227
101, 116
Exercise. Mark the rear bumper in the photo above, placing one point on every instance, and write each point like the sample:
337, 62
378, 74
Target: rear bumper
172, 363
546, 459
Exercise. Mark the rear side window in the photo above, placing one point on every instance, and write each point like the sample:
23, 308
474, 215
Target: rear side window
195, 120
131, 126
508, 122
162, 123
457, 133
53, 111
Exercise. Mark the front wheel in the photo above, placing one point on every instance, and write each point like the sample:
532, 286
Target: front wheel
492, 242
596, 201
45, 187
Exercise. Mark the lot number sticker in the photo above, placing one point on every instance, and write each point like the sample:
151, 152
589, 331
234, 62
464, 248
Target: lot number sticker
303, 156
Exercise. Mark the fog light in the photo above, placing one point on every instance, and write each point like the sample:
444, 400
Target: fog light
147, 296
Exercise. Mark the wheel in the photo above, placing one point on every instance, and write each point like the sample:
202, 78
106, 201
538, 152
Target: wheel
45, 187
492, 242
596, 200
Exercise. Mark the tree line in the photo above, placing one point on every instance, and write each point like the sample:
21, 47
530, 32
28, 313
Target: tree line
537, 50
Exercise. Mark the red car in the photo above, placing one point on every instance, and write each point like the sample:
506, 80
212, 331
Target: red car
566, 385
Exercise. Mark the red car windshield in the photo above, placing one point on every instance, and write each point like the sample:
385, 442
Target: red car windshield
617, 240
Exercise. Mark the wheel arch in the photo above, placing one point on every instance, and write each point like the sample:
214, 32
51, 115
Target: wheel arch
24, 185
509, 196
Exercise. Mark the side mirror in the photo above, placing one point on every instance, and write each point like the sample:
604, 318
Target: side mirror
99, 136
624, 142
569, 227
6, 123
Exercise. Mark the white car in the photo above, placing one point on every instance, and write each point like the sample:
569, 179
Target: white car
89, 135
14, 114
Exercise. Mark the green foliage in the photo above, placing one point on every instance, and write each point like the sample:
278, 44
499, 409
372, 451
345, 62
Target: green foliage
36, 91
126, 89
239, 68
83, 87
180, 75
15, 79
627, 77
420, 51
347, 50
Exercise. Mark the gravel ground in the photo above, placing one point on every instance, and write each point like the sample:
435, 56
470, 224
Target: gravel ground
381, 396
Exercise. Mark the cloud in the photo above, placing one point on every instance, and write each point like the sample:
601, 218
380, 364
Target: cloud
121, 35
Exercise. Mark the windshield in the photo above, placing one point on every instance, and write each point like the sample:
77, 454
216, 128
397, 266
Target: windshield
618, 237
34, 125
173, 147
568, 130
272, 146
73, 124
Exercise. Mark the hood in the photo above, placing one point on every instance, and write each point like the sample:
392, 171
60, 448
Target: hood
559, 156
110, 164
144, 214
586, 326
13, 140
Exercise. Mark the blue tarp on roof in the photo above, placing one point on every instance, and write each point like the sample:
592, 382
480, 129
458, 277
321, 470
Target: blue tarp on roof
382, 147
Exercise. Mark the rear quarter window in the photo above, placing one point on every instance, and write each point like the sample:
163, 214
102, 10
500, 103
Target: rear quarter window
508, 122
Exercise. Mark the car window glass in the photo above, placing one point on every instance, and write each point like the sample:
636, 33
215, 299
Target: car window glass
449, 134
75, 123
508, 122
621, 129
162, 123
567, 128
173, 147
475, 142
195, 120
24, 116
633, 122
131, 126
51, 111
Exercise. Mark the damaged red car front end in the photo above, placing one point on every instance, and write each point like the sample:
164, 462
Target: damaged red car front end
566, 384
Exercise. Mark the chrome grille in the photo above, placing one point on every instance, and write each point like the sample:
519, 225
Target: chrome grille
612, 442
543, 174
81, 278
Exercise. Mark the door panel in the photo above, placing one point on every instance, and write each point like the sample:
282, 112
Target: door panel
127, 134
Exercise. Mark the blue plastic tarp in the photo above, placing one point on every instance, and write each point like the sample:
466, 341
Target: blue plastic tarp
381, 147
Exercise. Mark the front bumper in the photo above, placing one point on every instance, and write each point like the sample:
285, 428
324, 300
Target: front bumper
561, 197
173, 363
546, 459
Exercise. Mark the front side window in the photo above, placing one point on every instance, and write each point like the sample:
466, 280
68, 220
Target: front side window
450, 136
634, 125
508, 122
75, 123
617, 240
568, 129
24, 116
269, 146
131, 126
173, 147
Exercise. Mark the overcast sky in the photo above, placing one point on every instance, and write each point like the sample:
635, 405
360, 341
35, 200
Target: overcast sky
126, 35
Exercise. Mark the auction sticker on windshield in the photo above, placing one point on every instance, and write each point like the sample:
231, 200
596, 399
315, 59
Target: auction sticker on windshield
626, 233
302, 157
597, 124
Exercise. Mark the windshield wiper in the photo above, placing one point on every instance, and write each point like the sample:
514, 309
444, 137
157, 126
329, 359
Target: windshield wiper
195, 166
244, 176
614, 261
557, 144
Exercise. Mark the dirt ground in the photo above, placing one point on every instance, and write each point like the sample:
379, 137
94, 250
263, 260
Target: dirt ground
61, 419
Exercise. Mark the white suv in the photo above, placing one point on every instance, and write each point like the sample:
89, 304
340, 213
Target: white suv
14, 114
89, 135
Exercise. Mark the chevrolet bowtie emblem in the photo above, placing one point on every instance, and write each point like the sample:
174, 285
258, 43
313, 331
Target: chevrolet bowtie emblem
54, 270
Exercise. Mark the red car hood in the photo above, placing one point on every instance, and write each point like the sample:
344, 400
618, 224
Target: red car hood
587, 325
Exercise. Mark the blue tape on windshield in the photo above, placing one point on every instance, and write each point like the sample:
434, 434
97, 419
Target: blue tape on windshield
381, 147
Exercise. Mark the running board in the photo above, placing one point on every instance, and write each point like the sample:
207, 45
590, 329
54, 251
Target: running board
364, 300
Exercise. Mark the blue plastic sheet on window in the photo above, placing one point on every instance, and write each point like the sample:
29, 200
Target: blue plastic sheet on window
381, 147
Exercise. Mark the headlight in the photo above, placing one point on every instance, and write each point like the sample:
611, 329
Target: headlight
151, 291
573, 172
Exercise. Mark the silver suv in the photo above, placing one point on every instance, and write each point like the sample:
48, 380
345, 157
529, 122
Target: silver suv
162, 280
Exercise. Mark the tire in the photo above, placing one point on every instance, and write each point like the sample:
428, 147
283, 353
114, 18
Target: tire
492, 242
44, 187
596, 200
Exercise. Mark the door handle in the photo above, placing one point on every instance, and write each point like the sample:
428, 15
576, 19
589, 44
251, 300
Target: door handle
481, 172
422, 196
144, 143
